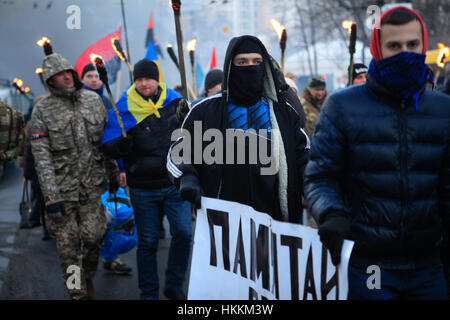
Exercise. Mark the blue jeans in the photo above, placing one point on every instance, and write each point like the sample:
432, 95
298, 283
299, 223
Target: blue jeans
415, 284
147, 205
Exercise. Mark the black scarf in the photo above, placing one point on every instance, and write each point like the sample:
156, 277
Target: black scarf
246, 84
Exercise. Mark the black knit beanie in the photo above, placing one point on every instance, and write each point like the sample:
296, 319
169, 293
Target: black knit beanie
359, 68
87, 68
213, 78
248, 46
146, 68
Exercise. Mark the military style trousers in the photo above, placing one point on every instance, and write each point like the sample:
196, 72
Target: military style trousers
79, 238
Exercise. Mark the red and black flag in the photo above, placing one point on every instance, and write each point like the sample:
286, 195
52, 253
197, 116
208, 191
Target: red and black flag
103, 47
150, 37
213, 60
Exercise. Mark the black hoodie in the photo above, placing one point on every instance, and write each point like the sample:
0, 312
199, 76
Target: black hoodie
285, 202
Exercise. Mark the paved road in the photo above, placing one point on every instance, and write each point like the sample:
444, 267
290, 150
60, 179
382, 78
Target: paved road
29, 267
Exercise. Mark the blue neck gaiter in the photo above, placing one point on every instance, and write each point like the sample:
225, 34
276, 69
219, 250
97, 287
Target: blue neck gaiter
99, 91
405, 73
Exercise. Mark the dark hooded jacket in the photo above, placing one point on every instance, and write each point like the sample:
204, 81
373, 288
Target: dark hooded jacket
282, 202
387, 167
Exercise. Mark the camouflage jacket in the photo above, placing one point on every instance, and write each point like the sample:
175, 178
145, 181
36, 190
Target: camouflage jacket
66, 132
11, 133
312, 110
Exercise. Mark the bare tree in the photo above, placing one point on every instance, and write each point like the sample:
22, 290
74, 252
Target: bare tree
326, 17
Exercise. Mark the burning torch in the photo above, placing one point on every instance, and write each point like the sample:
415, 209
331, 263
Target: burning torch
441, 60
172, 55
176, 6
98, 62
351, 27
175, 61
191, 49
115, 43
18, 84
39, 71
44, 42
282, 36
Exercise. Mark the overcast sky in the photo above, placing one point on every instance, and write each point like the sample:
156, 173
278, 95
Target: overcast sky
23, 22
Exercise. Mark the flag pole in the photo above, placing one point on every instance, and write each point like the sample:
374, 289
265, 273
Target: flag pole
98, 62
126, 37
176, 6
119, 76
174, 58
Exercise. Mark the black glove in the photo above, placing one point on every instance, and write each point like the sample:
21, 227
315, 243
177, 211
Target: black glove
113, 185
182, 110
190, 189
56, 210
124, 145
332, 233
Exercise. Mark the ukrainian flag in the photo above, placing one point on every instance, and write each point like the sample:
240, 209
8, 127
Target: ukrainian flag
151, 55
133, 109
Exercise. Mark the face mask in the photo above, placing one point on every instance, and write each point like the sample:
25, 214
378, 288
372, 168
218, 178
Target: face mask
405, 73
246, 84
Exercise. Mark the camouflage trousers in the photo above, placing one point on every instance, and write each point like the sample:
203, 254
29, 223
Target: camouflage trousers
79, 238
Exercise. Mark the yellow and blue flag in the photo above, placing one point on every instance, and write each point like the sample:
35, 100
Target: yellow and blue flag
152, 48
133, 109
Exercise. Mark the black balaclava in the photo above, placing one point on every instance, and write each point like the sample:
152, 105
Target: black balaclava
246, 83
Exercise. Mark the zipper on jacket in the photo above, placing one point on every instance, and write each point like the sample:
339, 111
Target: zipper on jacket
403, 172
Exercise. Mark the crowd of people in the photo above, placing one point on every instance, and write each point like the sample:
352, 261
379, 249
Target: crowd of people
369, 163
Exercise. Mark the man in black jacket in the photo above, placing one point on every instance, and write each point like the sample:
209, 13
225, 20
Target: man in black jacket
148, 111
379, 170
251, 103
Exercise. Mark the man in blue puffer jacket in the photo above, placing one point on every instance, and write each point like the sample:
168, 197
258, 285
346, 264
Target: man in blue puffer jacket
379, 169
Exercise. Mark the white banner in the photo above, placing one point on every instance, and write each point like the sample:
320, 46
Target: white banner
242, 254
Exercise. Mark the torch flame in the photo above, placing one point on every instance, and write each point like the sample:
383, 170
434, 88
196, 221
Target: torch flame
443, 54
278, 27
39, 70
43, 41
347, 24
95, 58
191, 45
169, 46
119, 53
18, 82
27, 89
